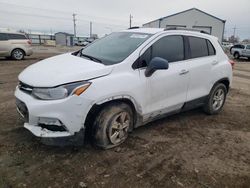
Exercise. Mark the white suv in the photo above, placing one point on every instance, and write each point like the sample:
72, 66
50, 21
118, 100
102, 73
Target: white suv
14, 45
240, 50
121, 82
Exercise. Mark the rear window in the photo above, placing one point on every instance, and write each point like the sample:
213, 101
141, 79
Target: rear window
198, 47
16, 36
3, 36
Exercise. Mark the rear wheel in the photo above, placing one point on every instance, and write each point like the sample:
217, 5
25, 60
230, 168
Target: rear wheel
236, 55
216, 99
17, 54
112, 125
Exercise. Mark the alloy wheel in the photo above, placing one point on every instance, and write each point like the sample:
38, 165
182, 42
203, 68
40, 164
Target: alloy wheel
18, 54
218, 99
119, 128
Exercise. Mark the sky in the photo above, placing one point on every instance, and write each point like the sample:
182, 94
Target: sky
113, 15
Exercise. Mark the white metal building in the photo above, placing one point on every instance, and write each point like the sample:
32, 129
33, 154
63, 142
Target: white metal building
192, 19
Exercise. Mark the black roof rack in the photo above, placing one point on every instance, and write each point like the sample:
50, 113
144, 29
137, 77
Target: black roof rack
136, 27
185, 29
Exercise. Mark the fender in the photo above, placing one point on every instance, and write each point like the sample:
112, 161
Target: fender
224, 80
137, 108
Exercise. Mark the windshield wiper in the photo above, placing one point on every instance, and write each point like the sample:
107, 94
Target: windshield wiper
91, 58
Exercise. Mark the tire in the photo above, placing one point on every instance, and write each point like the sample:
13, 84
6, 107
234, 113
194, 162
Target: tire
236, 55
216, 99
112, 125
17, 54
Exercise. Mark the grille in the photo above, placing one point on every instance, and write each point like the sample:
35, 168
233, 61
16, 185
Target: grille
25, 87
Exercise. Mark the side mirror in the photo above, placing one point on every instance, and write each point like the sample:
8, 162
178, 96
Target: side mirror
156, 63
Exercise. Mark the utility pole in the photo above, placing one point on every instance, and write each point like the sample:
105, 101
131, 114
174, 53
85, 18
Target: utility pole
234, 30
130, 20
90, 29
74, 21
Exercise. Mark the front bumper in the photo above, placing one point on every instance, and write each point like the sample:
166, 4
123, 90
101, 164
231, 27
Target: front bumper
71, 113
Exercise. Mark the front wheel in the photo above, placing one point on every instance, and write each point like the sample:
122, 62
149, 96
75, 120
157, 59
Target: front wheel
216, 99
112, 125
236, 55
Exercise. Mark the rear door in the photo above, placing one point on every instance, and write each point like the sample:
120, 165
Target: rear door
202, 59
4, 44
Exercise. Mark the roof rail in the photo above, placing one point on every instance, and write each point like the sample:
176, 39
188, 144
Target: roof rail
186, 29
136, 27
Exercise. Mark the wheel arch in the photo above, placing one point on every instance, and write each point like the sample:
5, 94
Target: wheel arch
18, 49
98, 106
224, 81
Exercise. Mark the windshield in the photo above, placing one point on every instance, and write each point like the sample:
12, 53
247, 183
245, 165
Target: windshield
115, 47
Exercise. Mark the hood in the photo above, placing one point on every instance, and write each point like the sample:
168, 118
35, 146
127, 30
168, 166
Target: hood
62, 69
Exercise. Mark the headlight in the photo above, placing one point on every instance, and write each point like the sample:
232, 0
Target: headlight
61, 92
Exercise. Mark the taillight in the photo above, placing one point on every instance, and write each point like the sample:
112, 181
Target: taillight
232, 63
29, 42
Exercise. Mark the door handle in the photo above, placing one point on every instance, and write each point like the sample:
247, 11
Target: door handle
215, 62
184, 72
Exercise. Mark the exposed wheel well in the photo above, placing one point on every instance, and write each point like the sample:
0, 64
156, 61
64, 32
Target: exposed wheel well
94, 111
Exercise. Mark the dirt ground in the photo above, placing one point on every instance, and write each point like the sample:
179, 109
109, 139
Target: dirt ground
190, 149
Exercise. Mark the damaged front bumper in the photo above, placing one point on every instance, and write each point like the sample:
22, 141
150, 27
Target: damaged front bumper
58, 122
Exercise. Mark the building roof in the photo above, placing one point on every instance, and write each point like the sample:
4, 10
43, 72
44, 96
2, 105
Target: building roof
187, 11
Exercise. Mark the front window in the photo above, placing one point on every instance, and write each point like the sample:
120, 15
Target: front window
115, 47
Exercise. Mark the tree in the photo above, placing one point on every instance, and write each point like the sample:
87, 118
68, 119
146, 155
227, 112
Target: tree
246, 41
233, 39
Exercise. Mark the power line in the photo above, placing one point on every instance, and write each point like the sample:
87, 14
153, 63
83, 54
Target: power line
59, 18
59, 11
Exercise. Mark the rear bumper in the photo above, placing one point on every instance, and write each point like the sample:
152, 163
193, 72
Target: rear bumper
29, 52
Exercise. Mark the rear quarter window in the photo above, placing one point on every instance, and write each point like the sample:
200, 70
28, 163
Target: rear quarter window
211, 49
16, 37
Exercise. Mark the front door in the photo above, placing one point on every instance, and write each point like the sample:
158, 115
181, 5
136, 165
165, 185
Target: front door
166, 89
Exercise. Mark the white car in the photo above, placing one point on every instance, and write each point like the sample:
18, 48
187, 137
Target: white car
121, 82
14, 45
